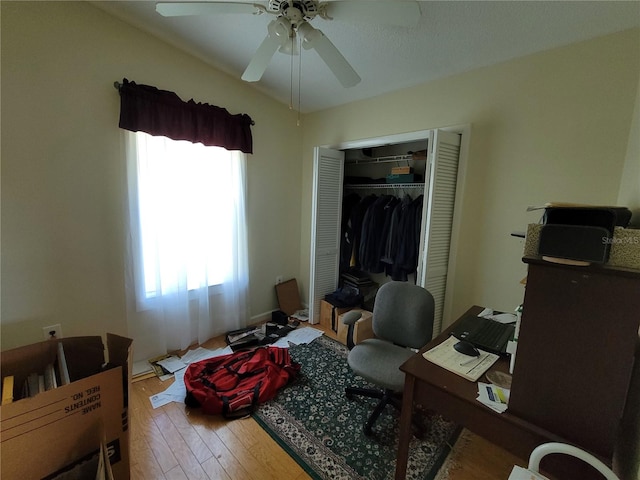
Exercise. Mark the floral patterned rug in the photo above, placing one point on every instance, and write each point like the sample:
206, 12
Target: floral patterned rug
322, 430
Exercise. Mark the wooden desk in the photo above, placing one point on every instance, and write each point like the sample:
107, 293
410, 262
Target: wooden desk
576, 351
437, 389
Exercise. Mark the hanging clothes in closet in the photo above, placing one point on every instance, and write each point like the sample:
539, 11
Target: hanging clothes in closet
381, 234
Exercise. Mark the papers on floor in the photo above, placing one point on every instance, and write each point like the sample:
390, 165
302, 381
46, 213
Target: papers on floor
494, 397
177, 391
141, 368
467, 367
200, 353
299, 336
172, 364
301, 315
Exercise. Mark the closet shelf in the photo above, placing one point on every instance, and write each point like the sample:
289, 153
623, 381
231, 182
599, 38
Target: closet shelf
363, 186
392, 158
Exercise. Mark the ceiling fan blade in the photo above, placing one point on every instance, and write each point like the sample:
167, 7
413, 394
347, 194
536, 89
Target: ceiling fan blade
343, 71
279, 31
314, 38
179, 9
399, 13
260, 60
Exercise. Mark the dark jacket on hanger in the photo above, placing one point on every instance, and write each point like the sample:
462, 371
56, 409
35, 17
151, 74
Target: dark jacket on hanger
349, 203
356, 218
372, 226
403, 242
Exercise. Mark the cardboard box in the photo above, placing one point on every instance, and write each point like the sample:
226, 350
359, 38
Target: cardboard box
45, 434
288, 297
329, 314
401, 170
362, 329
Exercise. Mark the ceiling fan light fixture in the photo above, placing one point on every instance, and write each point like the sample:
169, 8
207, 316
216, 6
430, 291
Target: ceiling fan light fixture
308, 34
290, 48
280, 28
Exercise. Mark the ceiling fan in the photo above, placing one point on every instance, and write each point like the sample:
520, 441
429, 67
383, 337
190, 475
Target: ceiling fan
291, 23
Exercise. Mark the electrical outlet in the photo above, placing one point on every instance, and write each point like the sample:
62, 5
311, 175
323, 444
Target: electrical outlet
278, 279
52, 331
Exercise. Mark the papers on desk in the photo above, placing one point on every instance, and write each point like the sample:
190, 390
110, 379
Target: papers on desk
494, 397
467, 367
498, 317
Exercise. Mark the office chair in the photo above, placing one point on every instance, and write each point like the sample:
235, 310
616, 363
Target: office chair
402, 319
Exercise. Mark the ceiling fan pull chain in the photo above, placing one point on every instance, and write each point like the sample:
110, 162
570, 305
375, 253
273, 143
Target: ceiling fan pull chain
299, 82
291, 73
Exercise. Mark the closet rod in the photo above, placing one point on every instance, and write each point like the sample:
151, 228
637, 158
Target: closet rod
384, 185
392, 158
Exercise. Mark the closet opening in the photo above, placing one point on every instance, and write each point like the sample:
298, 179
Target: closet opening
382, 210
381, 217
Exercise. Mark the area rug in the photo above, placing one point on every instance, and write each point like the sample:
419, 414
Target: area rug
322, 430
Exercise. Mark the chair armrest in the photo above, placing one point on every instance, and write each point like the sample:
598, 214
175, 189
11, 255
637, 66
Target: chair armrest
351, 317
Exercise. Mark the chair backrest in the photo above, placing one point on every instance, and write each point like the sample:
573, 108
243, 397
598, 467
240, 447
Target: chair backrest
403, 314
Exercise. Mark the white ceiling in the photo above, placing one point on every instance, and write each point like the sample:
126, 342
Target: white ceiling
451, 37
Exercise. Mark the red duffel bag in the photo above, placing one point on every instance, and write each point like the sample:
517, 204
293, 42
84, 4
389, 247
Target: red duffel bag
235, 384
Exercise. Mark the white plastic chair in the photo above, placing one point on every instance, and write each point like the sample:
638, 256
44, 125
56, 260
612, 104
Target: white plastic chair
533, 472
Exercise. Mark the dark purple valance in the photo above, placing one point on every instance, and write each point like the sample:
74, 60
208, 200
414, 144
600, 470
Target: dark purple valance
163, 113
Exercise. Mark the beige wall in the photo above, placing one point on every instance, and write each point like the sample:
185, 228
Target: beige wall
63, 170
548, 127
629, 194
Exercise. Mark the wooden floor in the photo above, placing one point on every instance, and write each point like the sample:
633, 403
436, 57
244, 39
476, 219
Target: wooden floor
173, 442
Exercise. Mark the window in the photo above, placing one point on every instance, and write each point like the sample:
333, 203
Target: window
186, 272
187, 201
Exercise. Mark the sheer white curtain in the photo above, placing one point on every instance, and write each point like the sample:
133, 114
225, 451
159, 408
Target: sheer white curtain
186, 255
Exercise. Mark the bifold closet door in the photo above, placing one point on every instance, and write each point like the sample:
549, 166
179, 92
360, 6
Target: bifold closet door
328, 174
437, 218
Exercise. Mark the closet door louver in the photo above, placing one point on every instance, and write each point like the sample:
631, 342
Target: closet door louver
325, 227
438, 218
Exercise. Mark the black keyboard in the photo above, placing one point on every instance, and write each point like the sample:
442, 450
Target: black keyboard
484, 333
490, 334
